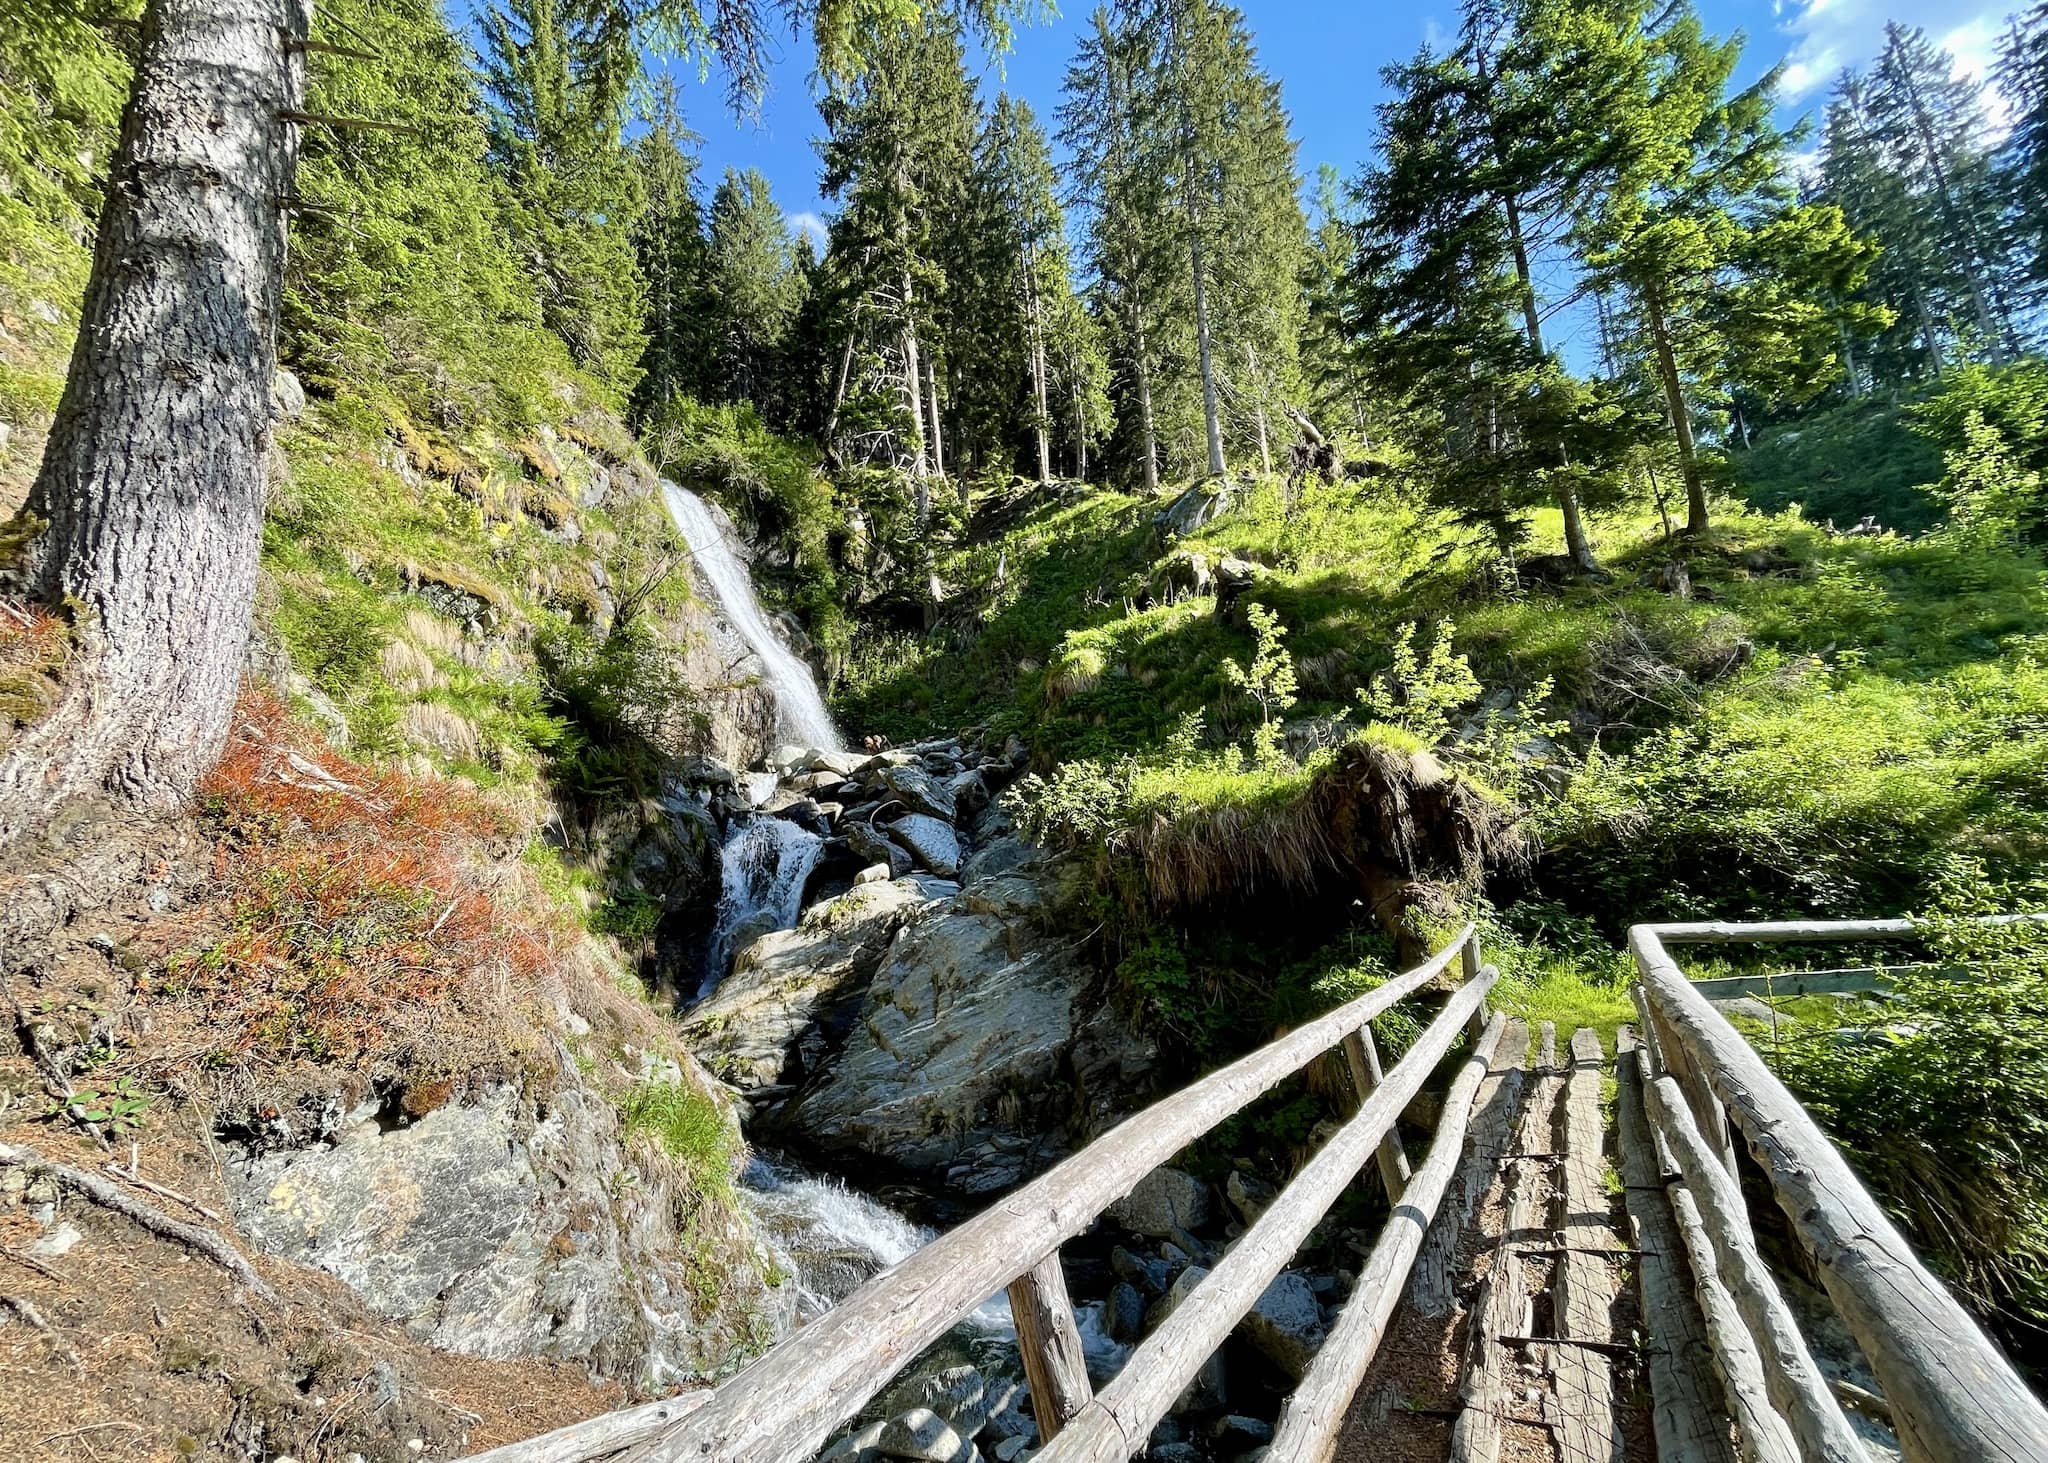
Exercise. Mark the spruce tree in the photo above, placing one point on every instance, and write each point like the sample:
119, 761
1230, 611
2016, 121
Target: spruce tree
754, 285
2023, 165
668, 243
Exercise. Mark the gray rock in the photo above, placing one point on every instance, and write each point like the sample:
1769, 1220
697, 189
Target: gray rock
287, 398
1175, 1453
950, 1068
845, 764
1123, 1315
1248, 1195
872, 874
701, 771
1149, 1276
763, 1013
1004, 855
813, 781
856, 1447
959, 1394
1236, 1434
917, 791
930, 841
1201, 504
786, 757
1010, 1449
1286, 1325
1165, 1200
1177, 1292
922, 1435
970, 792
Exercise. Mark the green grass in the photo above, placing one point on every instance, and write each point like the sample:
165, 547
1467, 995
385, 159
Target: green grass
690, 1128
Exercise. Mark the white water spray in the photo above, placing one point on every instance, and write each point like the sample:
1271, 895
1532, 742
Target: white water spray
804, 717
762, 872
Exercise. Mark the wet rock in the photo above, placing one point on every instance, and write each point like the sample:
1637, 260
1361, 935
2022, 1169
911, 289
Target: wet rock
960, 1395
922, 1435
930, 841
1165, 1200
1286, 1325
844, 764
970, 793
1001, 856
762, 1015
706, 772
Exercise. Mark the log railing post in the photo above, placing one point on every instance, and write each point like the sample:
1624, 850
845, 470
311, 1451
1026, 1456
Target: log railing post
1363, 1057
1049, 1341
1469, 966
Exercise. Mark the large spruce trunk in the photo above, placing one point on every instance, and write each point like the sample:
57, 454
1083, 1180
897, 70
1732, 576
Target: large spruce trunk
148, 508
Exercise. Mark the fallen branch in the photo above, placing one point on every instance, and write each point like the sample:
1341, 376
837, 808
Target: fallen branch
25, 1309
107, 1196
130, 1176
30, 1262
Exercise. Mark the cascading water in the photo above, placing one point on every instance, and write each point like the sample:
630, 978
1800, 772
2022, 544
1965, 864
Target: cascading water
804, 717
762, 872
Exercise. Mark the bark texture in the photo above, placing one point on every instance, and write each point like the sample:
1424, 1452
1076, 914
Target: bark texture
150, 495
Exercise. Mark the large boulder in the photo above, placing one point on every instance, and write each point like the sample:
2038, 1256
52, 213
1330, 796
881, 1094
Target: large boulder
1164, 1203
766, 1013
1203, 503
1286, 1324
930, 841
918, 791
514, 1227
960, 1066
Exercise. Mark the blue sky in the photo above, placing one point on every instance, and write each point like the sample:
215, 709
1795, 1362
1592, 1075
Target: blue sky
1328, 58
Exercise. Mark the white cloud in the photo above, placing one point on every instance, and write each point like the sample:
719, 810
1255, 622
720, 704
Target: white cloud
809, 223
1831, 35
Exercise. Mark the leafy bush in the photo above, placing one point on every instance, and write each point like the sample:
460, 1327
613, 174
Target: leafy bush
1269, 681
1421, 690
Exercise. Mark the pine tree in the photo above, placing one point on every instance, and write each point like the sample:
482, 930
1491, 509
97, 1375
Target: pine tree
1930, 123
668, 242
573, 197
754, 287
2023, 164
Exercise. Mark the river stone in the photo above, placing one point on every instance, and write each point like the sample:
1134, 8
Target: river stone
1248, 1195
918, 791
1177, 1292
950, 1069
1149, 1276
959, 1394
1163, 1201
844, 764
762, 1014
931, 842
856, 1447
1286, 1324
924, 1436
1123, 1315
1002, 856
864, 840
872, 874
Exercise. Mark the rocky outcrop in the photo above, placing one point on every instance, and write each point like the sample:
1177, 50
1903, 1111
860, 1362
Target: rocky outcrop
768, 1021
963, 1066
527, 1220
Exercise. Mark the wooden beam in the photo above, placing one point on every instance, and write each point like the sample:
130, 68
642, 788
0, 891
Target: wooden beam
1049, 1341
825, 1372
598, 1437
1955, 1396
1791, 1378
1587, 1428
1502, 1306
1808, 931
1792, 983
1688, 1407
1312, 1417
1363, 1058
1432, 1289
1124, 1413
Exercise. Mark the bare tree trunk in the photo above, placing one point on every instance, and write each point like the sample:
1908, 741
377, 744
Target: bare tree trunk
1212, 421
1146, 429
913, 401
1042, 424
1681, 418
1251, 361
1080, 438
1929, 341
149, 503
931, 385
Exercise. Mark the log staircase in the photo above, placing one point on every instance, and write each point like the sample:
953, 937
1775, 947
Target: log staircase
1588, 1256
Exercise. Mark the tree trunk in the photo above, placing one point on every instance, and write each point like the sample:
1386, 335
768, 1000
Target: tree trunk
1696, 521
1146, 429
1576, 544
913, 401
1929, 340
1080, 438
931, 391
1212, 422
149, 502
1251, 362
1042, 423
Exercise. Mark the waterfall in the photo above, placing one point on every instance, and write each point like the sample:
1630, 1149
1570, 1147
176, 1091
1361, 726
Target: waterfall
802, 710
762, 872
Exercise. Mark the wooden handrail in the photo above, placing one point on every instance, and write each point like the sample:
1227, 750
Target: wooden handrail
1954, 1396
1115, 1425
785, 1405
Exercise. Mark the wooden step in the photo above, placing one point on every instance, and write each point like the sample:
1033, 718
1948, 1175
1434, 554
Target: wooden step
1583, 1376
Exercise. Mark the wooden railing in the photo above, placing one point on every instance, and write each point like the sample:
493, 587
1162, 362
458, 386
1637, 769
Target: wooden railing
1952, 1395
786, 1404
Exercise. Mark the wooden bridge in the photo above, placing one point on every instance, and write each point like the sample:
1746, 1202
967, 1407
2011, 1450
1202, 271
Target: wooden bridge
1729, 1373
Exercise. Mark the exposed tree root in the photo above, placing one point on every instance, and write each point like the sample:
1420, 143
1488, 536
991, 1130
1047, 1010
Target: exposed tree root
107, 1196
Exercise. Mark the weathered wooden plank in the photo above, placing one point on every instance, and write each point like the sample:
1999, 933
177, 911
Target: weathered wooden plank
1502, 1306
1707, 1113
1362, 1056
1793, 1381
1689, 1411
1588, 1430
1954, 1395
1433, 1286
604, 1436
1311, 1418
1123, 1414
1049, 1341
1806, 931
823, 1374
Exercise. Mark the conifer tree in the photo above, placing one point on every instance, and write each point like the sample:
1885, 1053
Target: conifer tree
573, 197
754, 286
2023, 78
668, 244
